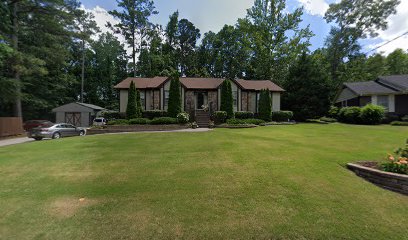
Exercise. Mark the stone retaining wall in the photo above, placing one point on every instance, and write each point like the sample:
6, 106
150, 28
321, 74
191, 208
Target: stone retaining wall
392, 181
135, 128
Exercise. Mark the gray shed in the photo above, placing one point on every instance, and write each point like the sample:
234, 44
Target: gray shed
78, 114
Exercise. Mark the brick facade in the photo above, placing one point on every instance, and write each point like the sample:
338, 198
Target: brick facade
156, 99
189, 102
213, 100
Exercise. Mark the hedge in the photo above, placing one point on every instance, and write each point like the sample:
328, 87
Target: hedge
235, 121
282, 116
219, 117
139, 121
372, 114
151, 114
350, 115
113, 115
244, 115
399, 123
164, 120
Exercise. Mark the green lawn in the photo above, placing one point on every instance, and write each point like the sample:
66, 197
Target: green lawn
277, 182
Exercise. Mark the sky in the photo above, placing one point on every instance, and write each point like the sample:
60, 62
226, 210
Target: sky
212, 15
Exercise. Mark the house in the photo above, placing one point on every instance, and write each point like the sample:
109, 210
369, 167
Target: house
391, 92
196, 93
77, 114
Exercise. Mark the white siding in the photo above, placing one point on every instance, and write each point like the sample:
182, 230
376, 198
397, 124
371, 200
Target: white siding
123, 100
374, 99
276, 103
391, 102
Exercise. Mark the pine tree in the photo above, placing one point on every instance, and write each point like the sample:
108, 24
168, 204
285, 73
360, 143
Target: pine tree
131, 109
174, 96
226, 99
265, 105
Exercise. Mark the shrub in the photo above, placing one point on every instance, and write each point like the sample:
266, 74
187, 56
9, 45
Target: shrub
139, 121
397, 163
118, 122
350, 115
405, 118
174, 96
333, 112
138, 105
372, 114
265, 105
235, 121
399, 123
390, 117
219, 117
113, 115
151, 114
131, 109
244, 115
226, 99
282, 116
329, 120
164, 120
183, 117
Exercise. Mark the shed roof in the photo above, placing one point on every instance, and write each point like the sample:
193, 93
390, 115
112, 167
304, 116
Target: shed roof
258, 85
77, 106
142, 83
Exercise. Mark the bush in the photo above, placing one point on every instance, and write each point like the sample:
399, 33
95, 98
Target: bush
183, 117
219, 117
390, 117
282, 116
244, 115
174, 96
235, 121
151, 114
350, 115
164, 120
139, 121
227, 100
372, 114
131, 109
119, 122
405, 118
265, 105
113, 115
399, 123
329, 120
333, 112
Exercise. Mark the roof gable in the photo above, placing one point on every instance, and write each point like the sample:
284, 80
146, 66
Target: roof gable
142, 83
257, 85
201, 83
77, 107
398, 82
369, 88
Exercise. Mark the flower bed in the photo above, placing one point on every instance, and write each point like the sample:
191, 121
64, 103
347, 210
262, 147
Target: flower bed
392, 181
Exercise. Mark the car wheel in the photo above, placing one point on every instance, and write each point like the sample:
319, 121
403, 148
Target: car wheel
38, 138
56, 135
82, 133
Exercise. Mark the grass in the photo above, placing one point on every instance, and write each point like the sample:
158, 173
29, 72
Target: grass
277, 182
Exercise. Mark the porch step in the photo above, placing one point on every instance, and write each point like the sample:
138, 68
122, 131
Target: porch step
202, 118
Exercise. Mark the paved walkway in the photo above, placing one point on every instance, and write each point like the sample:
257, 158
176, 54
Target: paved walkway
12, 141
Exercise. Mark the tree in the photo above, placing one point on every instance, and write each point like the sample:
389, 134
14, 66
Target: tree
86, 27
355, 19
397, 62
265, 105
174, 106
187, 36
226, 99
307, 89
276, 38
139, 109
131, 109
133, 22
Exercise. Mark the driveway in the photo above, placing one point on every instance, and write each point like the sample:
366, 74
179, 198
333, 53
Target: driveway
13, 141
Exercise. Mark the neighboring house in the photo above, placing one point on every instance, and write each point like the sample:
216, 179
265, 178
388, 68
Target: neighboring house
77, 114
199, 92
391, 92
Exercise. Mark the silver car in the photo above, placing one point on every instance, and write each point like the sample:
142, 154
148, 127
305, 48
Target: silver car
56, 131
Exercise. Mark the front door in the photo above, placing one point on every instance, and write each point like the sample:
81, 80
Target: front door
201, 99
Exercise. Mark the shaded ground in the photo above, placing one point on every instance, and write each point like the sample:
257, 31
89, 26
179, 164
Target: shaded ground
277, 182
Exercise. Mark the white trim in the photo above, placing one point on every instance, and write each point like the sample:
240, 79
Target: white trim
391, 103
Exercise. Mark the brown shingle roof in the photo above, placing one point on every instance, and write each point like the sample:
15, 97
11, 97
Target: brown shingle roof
201, 83
258, 85
142, 83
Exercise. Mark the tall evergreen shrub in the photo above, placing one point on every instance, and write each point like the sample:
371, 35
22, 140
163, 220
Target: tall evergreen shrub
174, 96
265, 105
131, 109
226, 98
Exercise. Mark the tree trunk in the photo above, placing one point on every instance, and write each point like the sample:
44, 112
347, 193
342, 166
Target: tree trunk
17, 111
83, 71
134, 55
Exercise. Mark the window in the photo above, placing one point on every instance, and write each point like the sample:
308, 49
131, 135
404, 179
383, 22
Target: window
166, 99
142, 100
383, 101
235, 98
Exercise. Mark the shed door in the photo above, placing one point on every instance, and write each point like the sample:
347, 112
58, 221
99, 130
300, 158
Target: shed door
73, 118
